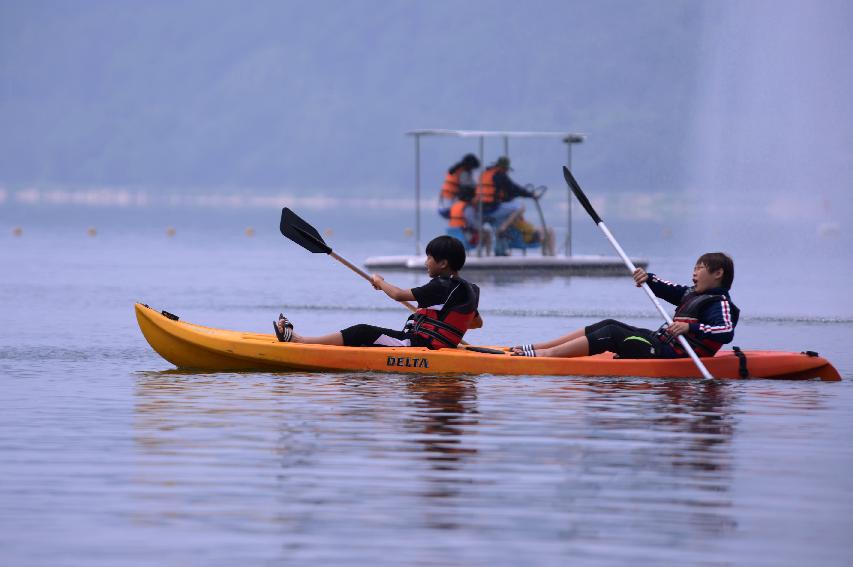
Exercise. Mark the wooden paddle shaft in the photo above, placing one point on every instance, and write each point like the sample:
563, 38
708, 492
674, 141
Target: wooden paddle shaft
364, 274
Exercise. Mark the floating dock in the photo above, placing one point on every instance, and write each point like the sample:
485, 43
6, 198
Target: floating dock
578, 265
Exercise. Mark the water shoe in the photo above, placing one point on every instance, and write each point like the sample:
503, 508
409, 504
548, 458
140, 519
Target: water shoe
523, 350
283, 329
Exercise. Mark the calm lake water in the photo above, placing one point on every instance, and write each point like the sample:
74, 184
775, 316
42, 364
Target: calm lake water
109, 456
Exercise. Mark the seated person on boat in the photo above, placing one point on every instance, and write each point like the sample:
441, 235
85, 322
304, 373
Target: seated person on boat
705, 315
462, 223
447, 307
518, 232
497, 193
459, 179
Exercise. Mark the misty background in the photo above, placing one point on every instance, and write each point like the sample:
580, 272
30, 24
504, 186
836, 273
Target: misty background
702, 118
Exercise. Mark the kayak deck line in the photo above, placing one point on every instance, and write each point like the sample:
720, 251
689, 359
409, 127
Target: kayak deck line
196, 347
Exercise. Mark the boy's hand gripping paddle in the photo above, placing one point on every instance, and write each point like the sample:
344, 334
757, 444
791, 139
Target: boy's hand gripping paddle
576, 189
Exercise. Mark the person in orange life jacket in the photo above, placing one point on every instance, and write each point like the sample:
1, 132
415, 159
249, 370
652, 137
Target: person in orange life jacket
705, 316
497, 193
463, 217
459, 179
447, 307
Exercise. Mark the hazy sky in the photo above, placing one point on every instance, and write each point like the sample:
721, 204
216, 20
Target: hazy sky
675, 96
318, 95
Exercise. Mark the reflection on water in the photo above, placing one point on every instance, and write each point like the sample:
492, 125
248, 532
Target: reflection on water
444, 407
104, 465
570, 463
388, 469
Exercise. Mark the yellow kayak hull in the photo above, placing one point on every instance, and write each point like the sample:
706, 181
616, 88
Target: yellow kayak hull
190, 346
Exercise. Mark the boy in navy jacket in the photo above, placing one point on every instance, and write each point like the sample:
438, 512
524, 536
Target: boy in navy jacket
705, 315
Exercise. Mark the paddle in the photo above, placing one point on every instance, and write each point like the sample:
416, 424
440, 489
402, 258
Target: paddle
576, 189
305, 235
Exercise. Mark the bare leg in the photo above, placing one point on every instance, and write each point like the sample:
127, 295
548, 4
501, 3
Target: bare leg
564, 339
487, 242
486, 234
575, 347
548, 243
336, 339
511, 219
540, 347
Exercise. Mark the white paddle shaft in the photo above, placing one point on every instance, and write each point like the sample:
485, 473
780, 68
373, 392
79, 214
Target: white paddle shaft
688, 349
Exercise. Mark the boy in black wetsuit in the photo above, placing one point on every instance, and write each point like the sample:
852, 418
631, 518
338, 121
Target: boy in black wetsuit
705, 316
447, 307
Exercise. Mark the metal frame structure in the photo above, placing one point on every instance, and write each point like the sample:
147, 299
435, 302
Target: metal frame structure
568, 138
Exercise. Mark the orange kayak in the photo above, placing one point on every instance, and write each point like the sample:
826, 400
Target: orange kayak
190, 346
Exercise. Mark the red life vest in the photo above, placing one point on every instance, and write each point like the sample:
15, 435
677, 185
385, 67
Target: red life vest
486, 187
441, 326
450, 188
688, 311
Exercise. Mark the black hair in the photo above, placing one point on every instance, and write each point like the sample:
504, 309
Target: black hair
468, 161
447, 248
714, 261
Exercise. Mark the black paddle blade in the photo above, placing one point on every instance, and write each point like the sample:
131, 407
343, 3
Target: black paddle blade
302, 233
576, 189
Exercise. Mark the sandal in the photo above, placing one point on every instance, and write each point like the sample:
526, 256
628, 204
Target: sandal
283, 329
526, 350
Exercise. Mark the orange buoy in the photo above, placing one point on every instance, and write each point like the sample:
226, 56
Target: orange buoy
91, 231
170, 232
17, 231
250, 232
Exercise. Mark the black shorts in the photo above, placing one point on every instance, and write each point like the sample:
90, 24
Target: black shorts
626, 341
368, 335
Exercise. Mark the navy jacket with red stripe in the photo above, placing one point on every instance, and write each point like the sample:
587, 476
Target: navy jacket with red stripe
717, 320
